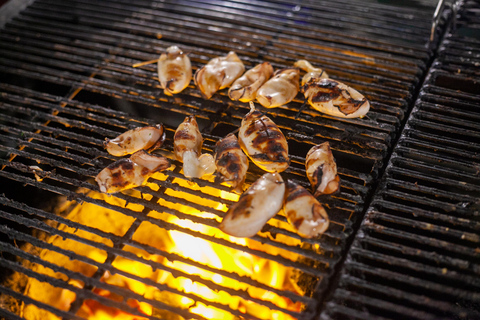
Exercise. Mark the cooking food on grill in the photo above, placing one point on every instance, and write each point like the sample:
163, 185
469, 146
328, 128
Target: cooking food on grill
335, 98
263, 142
129, 173
231, 162
311, 71
304, 212
322, 170
174, 70
260, 202
281, 89
218, 73
131, 141
245, 88
187, 144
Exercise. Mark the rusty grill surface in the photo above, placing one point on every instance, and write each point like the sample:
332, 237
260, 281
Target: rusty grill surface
416, 254
67, 84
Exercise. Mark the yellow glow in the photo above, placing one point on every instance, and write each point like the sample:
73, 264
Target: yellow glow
193, 248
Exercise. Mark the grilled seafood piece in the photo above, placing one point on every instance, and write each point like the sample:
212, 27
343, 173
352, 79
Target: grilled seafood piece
335, 98
174, 70
304, 212
322, 170
260, 202
131, 141
263, 142
245, 88
311, 71
231, 162
218, 73
187, 146
129, 173
281, 89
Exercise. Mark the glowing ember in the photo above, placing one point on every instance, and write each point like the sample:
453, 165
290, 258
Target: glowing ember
177, 283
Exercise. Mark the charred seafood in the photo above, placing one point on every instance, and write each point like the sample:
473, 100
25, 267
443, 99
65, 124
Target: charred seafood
231, 162
260, 202
322, 170
174, 70
218, 74
311, 71
335, 98
187, 144
129, 173
263, 142
150, 137
304, 212
281, 89
245, 88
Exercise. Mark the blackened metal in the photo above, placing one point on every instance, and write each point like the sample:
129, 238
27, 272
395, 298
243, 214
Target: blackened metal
416, 254
69, 84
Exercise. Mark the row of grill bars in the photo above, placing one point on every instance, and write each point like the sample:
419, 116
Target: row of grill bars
87, 64
417, 255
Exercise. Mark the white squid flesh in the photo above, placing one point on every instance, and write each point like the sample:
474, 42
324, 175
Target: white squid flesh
245, 88
130, 172
322, 170
304, 212
174, 70
281, 89
261, 139
260, 202
218, 73
131, 141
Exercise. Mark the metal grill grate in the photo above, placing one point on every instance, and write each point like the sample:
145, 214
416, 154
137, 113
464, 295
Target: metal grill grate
417, 255
67, 83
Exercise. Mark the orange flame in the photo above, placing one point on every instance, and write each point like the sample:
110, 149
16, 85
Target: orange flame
192, 248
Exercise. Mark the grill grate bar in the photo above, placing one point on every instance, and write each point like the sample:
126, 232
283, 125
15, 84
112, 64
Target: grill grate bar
117, 239
87, 48
28, 300
420, 240
169, 226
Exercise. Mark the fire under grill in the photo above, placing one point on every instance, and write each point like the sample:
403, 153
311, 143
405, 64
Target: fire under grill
155, 252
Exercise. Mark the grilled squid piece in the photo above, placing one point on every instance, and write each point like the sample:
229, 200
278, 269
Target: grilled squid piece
304, 212
260, 202
281, 89
263, 142
322, 170
150, 137
218, 74
129, 173
335, 98
245, 88
187, 144
174, 70
311, 71
231, 162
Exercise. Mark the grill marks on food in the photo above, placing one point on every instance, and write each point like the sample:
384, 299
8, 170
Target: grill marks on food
218, 73
263, 142
187, 145
245, 88
174, 70
321, 170
335, 98
259, 203
129, 173
131, 141
231, 162
304, 212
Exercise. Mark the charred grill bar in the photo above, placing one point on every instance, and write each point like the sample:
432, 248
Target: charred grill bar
68, 83
416, 254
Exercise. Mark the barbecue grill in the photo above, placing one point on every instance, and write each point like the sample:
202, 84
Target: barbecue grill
403, 239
